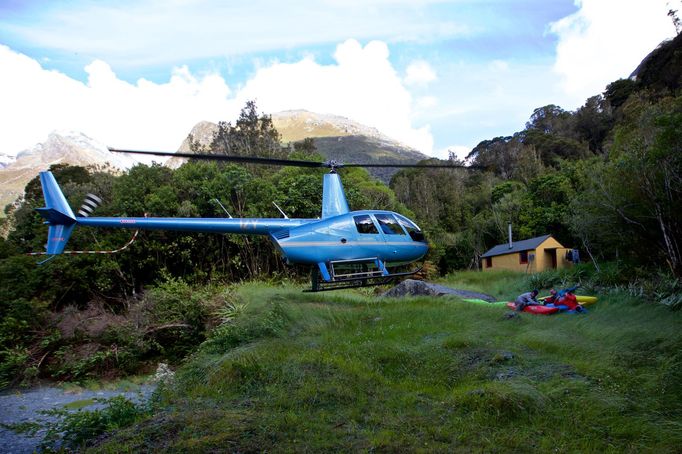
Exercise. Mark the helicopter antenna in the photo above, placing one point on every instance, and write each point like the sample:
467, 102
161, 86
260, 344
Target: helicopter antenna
280, 210
221, 206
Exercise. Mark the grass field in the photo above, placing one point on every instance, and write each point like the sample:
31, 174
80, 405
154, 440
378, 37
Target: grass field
348, 371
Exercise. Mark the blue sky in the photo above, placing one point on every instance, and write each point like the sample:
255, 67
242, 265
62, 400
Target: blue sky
436, 75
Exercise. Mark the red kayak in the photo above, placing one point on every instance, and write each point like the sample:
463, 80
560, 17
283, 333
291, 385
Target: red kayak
543, 310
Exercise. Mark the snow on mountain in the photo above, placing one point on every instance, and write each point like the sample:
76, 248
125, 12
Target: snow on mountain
70, 147
61, 147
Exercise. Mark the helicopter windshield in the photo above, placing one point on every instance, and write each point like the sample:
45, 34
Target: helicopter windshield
412, 229
388, 224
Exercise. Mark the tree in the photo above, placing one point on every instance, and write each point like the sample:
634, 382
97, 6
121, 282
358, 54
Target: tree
618, 92
637, 194
550, 119
593, 123
252, 135
672, 13
497, 155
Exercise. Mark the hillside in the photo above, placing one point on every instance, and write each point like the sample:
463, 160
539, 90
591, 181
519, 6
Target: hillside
662, 68
295, 125
344, 140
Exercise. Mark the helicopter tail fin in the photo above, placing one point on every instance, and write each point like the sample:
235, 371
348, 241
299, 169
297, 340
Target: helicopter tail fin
57, 214
334, 200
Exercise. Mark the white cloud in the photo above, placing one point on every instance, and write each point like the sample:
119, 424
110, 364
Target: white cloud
605, 40
141, 115
141, 33
461, 151
419, 72
361, 85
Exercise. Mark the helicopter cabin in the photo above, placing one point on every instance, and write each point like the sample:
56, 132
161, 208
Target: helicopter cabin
530, 256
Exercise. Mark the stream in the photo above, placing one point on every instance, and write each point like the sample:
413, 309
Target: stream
25, 406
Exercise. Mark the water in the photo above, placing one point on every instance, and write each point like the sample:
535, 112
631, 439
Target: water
25, 406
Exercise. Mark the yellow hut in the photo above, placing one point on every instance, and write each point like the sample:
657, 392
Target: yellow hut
531, 256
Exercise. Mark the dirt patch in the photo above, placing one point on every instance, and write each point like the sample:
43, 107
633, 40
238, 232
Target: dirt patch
91, 322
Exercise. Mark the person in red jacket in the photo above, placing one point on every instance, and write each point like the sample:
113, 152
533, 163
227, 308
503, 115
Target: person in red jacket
564, 300
570, 301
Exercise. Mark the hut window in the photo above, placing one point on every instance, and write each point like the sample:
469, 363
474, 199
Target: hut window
523, 257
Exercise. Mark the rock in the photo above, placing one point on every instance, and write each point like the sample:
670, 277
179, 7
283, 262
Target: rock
163, 374
413, 287
507, 374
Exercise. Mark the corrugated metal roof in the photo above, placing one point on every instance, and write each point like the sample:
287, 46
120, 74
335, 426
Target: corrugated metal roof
517, 246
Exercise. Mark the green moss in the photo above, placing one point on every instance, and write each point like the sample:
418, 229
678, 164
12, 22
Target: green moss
78, 404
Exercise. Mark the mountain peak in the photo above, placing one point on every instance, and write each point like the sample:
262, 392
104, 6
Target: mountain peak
60, 147
295, 125
70, 147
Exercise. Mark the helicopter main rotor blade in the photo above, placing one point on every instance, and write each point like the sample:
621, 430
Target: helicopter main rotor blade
433, 166
287, 162
222, 157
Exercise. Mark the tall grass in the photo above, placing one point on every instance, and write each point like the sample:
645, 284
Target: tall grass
346, 371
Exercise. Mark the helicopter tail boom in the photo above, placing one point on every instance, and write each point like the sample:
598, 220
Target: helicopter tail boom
61, 220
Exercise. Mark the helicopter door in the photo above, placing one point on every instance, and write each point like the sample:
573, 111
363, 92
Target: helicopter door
393, 233
368, 238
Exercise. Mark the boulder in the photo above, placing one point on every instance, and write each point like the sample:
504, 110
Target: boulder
411, 287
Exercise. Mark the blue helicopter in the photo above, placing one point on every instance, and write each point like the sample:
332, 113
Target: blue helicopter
345, 248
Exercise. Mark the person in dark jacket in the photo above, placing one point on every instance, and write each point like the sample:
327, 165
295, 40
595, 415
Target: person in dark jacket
527, 299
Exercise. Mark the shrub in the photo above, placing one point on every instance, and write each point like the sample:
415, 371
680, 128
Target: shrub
175, 316
76, 429
247, 329
669, 292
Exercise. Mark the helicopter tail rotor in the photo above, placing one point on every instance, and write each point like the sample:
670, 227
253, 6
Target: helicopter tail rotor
90, 204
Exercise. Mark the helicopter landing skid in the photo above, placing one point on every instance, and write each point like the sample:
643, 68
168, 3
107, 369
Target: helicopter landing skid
354, 280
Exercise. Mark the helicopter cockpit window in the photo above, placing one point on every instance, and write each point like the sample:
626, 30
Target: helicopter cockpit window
412, 229
364, 224
389, 225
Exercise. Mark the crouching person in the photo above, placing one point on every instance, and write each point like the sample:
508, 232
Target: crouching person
527, 299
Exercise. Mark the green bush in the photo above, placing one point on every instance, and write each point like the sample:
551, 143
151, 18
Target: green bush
246, 329
175, 315
20, 319
77, 429
111, 361
13, 362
